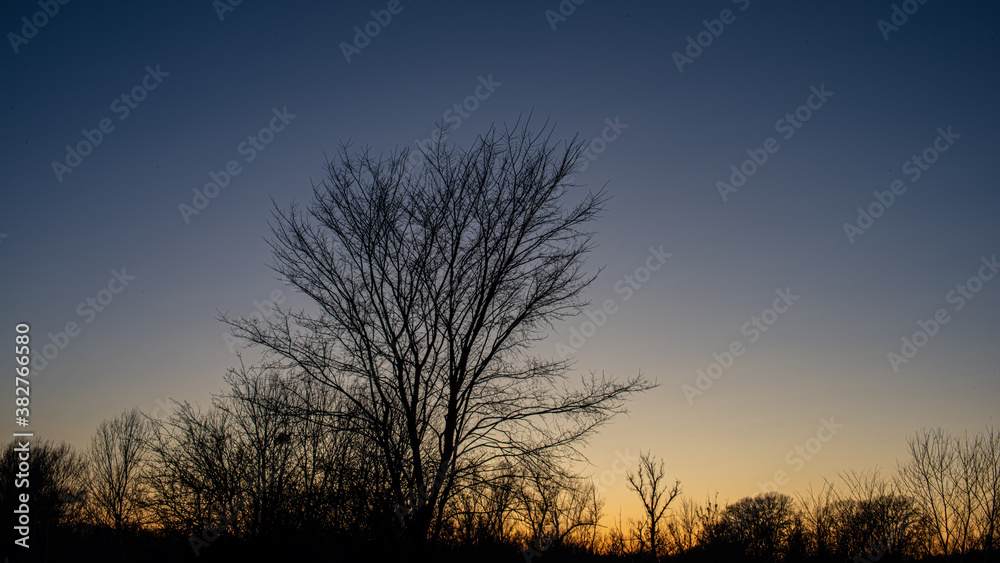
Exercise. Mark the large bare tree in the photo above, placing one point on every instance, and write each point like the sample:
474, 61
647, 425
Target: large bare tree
430, 290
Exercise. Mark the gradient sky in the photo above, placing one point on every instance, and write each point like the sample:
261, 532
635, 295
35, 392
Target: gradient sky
826, 357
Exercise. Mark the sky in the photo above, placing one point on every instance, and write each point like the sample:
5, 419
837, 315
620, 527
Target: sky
799, 247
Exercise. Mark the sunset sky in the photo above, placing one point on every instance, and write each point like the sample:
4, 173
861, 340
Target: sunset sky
894, 118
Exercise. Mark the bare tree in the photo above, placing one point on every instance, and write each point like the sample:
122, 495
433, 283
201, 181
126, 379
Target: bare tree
556, 507
337, 475
117, 458
624, 538
762, 528
987, 491
194, 468
263, 433
929, 477
55, 481
955, 481
819, 519
651, 486
430, 289
871, 516
682, 529
483, 507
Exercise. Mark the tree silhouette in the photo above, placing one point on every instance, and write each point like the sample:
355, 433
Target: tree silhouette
115, 482
57, 491
556, 507
649, 483
430, 290
761, 528
194, 468
955, 481
683, 528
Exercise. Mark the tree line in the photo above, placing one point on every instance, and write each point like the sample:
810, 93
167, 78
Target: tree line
259, 475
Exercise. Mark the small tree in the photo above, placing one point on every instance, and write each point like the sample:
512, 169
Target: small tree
117, 459
556, 507
651, 486
194, 468
683, 528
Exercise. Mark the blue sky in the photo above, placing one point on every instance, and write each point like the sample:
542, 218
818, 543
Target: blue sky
211, 82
